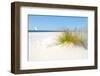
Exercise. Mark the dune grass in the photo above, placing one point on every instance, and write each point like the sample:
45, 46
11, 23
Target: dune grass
68, 38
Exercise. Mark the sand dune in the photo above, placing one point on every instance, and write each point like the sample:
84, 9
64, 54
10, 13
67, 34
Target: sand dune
42, 48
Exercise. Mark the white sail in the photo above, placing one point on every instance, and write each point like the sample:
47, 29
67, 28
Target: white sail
35, 28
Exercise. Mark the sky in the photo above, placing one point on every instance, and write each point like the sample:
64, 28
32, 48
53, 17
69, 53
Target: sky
55, 23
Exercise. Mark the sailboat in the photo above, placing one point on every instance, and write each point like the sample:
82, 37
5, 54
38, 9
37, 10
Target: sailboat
35, 28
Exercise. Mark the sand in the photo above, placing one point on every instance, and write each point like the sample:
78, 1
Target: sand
42, 48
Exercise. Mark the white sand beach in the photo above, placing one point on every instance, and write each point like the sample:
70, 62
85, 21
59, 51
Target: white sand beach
42, 48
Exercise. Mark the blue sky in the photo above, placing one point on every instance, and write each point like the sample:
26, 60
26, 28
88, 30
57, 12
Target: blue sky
55, 23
